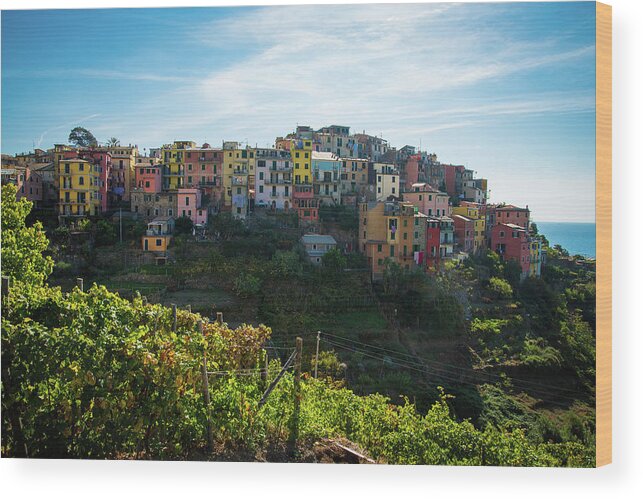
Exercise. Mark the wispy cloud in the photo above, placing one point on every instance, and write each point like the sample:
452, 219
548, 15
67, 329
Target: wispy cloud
76, 122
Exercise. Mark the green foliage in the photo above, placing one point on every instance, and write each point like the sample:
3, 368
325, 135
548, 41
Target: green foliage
105, 233
500, 288
247, 285
81, 137
183, 225
286, 264
22, 246
487, 327
537, 353
333, 260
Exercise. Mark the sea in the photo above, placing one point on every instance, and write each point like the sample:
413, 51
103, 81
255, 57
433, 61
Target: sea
577, 238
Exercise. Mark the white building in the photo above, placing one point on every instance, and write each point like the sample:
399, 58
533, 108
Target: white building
273, 179
317, 246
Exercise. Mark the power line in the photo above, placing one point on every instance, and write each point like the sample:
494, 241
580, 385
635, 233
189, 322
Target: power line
414, 358
437, 372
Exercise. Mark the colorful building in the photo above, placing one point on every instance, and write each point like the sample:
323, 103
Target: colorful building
79, 188
464, 233
326, 175
432, 255
158, 236
149, 178
386, 232
511, 242
474, 211
273, 179
510, 214
122, 174
387, 181
447, 237
174, 158
189, 205
354, 180
428, 200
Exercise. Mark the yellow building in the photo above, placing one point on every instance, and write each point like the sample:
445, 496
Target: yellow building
173, 157
472, 211
124, 159
386, 232
79, 188
238, 177
302, 154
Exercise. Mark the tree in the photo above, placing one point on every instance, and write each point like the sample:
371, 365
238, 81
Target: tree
22, 246
183, 225
81, 137
334, 260
113, 142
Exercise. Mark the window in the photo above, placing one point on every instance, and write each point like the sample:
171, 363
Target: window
81, 167
159, 242
392, 253
379, 248
260, 175
261, 189
202, 168
502, 233
66, 167
189, 180
187, 201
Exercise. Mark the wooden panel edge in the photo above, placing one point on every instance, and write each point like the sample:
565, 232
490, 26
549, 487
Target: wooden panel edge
603, 234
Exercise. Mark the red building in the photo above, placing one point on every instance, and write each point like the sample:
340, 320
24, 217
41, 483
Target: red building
149, 178
511, 242
412, 171
464, 229
433, 243
510, 214
304, 202
453, 179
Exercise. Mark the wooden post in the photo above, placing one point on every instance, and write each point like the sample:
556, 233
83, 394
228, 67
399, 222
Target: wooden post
5, 285
294, 431
206, 392
317, 353
79, 283
220, 317
174, 317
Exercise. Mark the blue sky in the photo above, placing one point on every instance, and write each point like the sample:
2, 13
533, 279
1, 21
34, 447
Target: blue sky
506, 89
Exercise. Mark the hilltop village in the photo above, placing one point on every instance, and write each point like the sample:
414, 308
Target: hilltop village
412, 209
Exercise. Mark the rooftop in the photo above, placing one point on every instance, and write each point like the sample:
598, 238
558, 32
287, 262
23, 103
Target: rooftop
318, 239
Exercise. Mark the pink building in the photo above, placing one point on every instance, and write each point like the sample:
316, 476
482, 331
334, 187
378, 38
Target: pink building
149, 178
189, 205
428, 200
204, 169
464, 229
29, 184
510, 214
511, 242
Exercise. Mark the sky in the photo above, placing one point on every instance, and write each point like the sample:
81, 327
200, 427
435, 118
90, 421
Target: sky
507, 89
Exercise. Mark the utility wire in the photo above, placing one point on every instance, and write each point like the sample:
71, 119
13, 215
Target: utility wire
452, 366
435, 372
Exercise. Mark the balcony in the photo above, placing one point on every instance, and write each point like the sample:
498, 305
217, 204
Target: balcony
239, 181
277, 181
280, 168
240, 171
